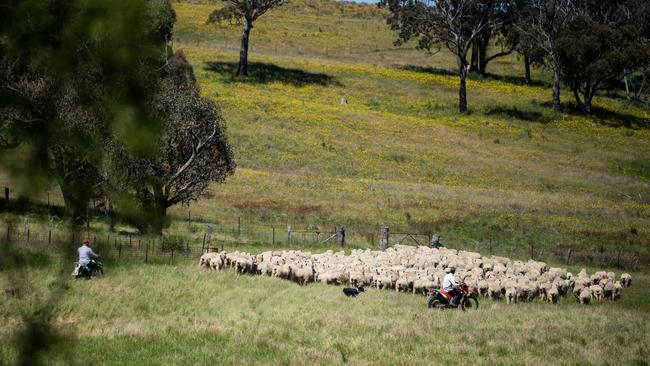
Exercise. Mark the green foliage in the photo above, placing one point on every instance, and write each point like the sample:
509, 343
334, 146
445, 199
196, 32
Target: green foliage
193, 150
79, 73
173, 242
596, 56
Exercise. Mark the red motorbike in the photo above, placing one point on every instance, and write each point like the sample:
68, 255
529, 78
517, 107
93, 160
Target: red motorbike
441, 299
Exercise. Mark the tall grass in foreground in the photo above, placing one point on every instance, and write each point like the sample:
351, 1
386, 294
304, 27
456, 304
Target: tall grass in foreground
161, 314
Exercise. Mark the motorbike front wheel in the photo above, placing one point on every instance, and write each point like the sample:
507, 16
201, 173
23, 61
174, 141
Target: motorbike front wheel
470, 303
434, 303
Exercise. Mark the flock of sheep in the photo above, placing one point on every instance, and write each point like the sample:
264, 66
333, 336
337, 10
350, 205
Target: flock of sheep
418, 269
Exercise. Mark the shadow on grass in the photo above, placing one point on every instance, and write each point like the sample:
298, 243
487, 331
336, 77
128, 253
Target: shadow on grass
261, 73
514, 112
605, 116
516, 80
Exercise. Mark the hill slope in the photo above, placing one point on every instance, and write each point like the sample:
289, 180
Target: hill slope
399, 154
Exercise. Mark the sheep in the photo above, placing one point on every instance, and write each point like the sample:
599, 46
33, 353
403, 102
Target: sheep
553, 294
204, 261
585, 296
616, 292
418, 269
304, 274
216, 263
597, 292
494, 289
511, 295
626, 280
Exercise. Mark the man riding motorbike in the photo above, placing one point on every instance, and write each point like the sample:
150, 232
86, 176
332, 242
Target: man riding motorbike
86, 254
449, 284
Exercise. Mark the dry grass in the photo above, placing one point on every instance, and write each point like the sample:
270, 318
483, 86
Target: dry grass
184, 315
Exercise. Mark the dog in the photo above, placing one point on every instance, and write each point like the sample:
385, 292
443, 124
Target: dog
352, 292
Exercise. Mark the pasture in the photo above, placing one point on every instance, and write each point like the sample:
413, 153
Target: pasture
511, 172
162, 314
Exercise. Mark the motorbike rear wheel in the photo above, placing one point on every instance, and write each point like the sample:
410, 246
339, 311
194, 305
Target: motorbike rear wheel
469, 303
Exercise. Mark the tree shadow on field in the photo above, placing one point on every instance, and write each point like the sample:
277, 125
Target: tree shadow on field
514, 112
515, 80
262, 73
605, 116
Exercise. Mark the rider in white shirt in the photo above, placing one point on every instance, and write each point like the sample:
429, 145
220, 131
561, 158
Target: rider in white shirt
85, 253
449, 284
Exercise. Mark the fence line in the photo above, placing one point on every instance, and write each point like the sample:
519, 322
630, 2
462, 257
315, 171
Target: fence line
219, 237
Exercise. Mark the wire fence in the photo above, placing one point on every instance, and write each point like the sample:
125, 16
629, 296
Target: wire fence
212, 237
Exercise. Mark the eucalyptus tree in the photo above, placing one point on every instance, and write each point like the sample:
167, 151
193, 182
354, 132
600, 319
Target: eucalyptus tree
246, 11
453, 24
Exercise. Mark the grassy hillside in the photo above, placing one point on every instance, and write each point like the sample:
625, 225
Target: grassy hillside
399, 153
182, 315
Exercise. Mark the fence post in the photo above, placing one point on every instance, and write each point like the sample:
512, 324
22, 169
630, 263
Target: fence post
28, 235
383, 239
203, 245
7, 196
289, 231
238, 226
48, 201
340, 236
130, 243
146, 253
273, 235
119, 250
49, 237
172, 255
567, 257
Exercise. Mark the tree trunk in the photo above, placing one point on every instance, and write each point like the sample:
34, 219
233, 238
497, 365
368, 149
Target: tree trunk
579, 102
158, 211
462, 91
556, 88
474, 61
627, 87
243, 51
75, 200
482, 55
527, 69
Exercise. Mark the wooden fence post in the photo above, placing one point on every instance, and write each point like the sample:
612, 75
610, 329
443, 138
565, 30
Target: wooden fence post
273, 228
203, 245
567, 256
340, 236
238, 225
172, 255
146, 253
49, 237
383, 238
7, 196
289, 231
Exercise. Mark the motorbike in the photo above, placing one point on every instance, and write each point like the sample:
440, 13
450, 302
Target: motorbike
441, 299
94, 267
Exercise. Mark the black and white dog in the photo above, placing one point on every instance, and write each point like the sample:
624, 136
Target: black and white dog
352, 292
